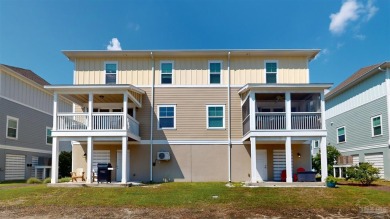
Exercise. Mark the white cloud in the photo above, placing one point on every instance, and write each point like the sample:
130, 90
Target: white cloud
114, 45
133, 26
359, 36
349, 11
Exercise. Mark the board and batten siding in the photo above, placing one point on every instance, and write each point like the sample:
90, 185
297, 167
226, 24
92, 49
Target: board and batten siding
18, 91
357, 124
192, 70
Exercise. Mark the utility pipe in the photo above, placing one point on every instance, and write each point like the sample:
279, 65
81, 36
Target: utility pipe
229, 129
151, 119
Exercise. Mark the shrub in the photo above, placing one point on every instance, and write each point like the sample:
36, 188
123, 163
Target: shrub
34, 180
332, 155
47, 180
331, 179
64, 164
65, 179
364, 173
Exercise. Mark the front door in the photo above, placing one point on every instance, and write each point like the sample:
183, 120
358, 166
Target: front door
119, 165
261, 165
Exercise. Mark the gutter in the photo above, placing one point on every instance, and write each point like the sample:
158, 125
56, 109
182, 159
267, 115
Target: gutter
229, 129
151, 119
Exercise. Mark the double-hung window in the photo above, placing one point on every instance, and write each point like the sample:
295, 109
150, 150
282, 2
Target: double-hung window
215, 72
111, 70
341, 135
271, 72
167, 117
166, 72
376, 124
215, 116
12, 127
49, 138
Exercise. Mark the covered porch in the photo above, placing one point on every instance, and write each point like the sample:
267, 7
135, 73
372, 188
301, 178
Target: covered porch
101, 113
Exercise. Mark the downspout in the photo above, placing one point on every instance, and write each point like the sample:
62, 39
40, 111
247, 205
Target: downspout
229, 129
151, 119
387, 99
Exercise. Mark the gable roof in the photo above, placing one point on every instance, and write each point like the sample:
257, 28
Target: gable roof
27, 74
356, 77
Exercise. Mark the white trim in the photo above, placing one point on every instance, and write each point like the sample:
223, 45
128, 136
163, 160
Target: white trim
192, 86
307, 71
174, 116
51, 129
337, 135
172, 73
92, 133
220, 72
23, 104
17, 127
116, 72
360, 148
189, 142
265, 70
207, 117
17, 148
372, 125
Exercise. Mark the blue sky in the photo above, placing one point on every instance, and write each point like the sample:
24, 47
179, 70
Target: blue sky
351, 34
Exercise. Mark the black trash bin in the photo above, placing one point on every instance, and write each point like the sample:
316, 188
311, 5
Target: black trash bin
104, 174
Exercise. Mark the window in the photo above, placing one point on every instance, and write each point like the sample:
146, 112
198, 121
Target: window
215, 72
271, 70
49, 138
316, 144
111, 72
166, 117
215, 117
341, 135
166, 72
376, 123
12, 127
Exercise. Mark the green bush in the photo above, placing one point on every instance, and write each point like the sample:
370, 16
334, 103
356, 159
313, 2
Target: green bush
65, 164
331, 179
364, 173
65, 179
34, 180
47, 180
332, 155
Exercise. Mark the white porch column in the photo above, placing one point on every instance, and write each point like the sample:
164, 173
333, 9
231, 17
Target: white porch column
124, 159
288, 110
89, 159
253, 160
125, 99
90, 110
54, 160
324, 160
252, 110
55, 111
323, 122
288, 160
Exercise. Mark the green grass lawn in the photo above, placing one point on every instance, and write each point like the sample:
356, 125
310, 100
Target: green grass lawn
195, 194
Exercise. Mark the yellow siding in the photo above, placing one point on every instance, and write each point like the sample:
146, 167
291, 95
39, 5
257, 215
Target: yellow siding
193, 70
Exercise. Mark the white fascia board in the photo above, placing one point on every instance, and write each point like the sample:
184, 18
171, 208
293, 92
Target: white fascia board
286, 87
72, 89
80, 133
284, 133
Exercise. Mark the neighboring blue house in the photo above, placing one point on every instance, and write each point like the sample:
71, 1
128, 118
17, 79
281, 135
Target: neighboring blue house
357, 117
25, 123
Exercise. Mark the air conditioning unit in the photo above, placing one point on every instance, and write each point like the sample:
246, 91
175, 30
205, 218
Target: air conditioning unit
163, 156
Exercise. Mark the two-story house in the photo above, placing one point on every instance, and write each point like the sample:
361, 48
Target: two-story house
192, 115
25, 123
357, 117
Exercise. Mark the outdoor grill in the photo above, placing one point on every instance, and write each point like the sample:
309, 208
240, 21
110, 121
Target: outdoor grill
104, 172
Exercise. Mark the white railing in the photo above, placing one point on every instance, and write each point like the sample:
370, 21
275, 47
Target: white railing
305, 120
72, 121
270, 120
107, 121
132, 125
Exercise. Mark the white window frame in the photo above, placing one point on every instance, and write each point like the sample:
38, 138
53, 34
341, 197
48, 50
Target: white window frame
17, 127
316, 144
207, 116
51, 129
116, 72
345, 135
265, 70
372, 125
174, 116
220, 73
173, 70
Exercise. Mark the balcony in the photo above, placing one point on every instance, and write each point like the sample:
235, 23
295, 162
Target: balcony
100, 122
271, 113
